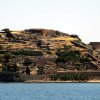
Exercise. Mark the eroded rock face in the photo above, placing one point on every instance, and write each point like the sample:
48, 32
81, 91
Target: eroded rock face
95, 45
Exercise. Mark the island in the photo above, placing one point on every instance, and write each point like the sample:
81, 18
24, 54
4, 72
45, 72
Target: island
43, 55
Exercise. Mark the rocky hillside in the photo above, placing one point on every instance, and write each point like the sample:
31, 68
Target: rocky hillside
47, 48
39, 39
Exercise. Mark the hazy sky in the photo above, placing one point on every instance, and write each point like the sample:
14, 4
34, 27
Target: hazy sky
81, 17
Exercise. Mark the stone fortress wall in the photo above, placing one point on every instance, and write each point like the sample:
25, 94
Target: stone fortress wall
95, 45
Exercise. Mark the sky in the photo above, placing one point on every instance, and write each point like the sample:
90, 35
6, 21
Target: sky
81, 17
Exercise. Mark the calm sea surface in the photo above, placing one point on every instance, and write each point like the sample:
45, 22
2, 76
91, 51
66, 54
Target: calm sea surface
49, 91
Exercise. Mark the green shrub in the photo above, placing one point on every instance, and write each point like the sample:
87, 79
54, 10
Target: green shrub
85, 59
64, 56
8, 33
69, 77
54, 77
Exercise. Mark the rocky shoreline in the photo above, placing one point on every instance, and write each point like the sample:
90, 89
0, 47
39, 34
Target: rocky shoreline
42, 81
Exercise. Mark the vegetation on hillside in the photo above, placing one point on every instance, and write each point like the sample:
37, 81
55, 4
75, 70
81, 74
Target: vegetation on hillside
69, 77
8, 33
65, 56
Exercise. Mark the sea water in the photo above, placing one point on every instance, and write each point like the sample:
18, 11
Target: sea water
49, 91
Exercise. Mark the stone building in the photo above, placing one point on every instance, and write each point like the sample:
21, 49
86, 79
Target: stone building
95, 45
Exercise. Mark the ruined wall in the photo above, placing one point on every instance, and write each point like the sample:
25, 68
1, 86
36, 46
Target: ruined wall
95, 45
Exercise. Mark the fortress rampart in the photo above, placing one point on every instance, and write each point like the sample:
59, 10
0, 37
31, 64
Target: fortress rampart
95, 45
